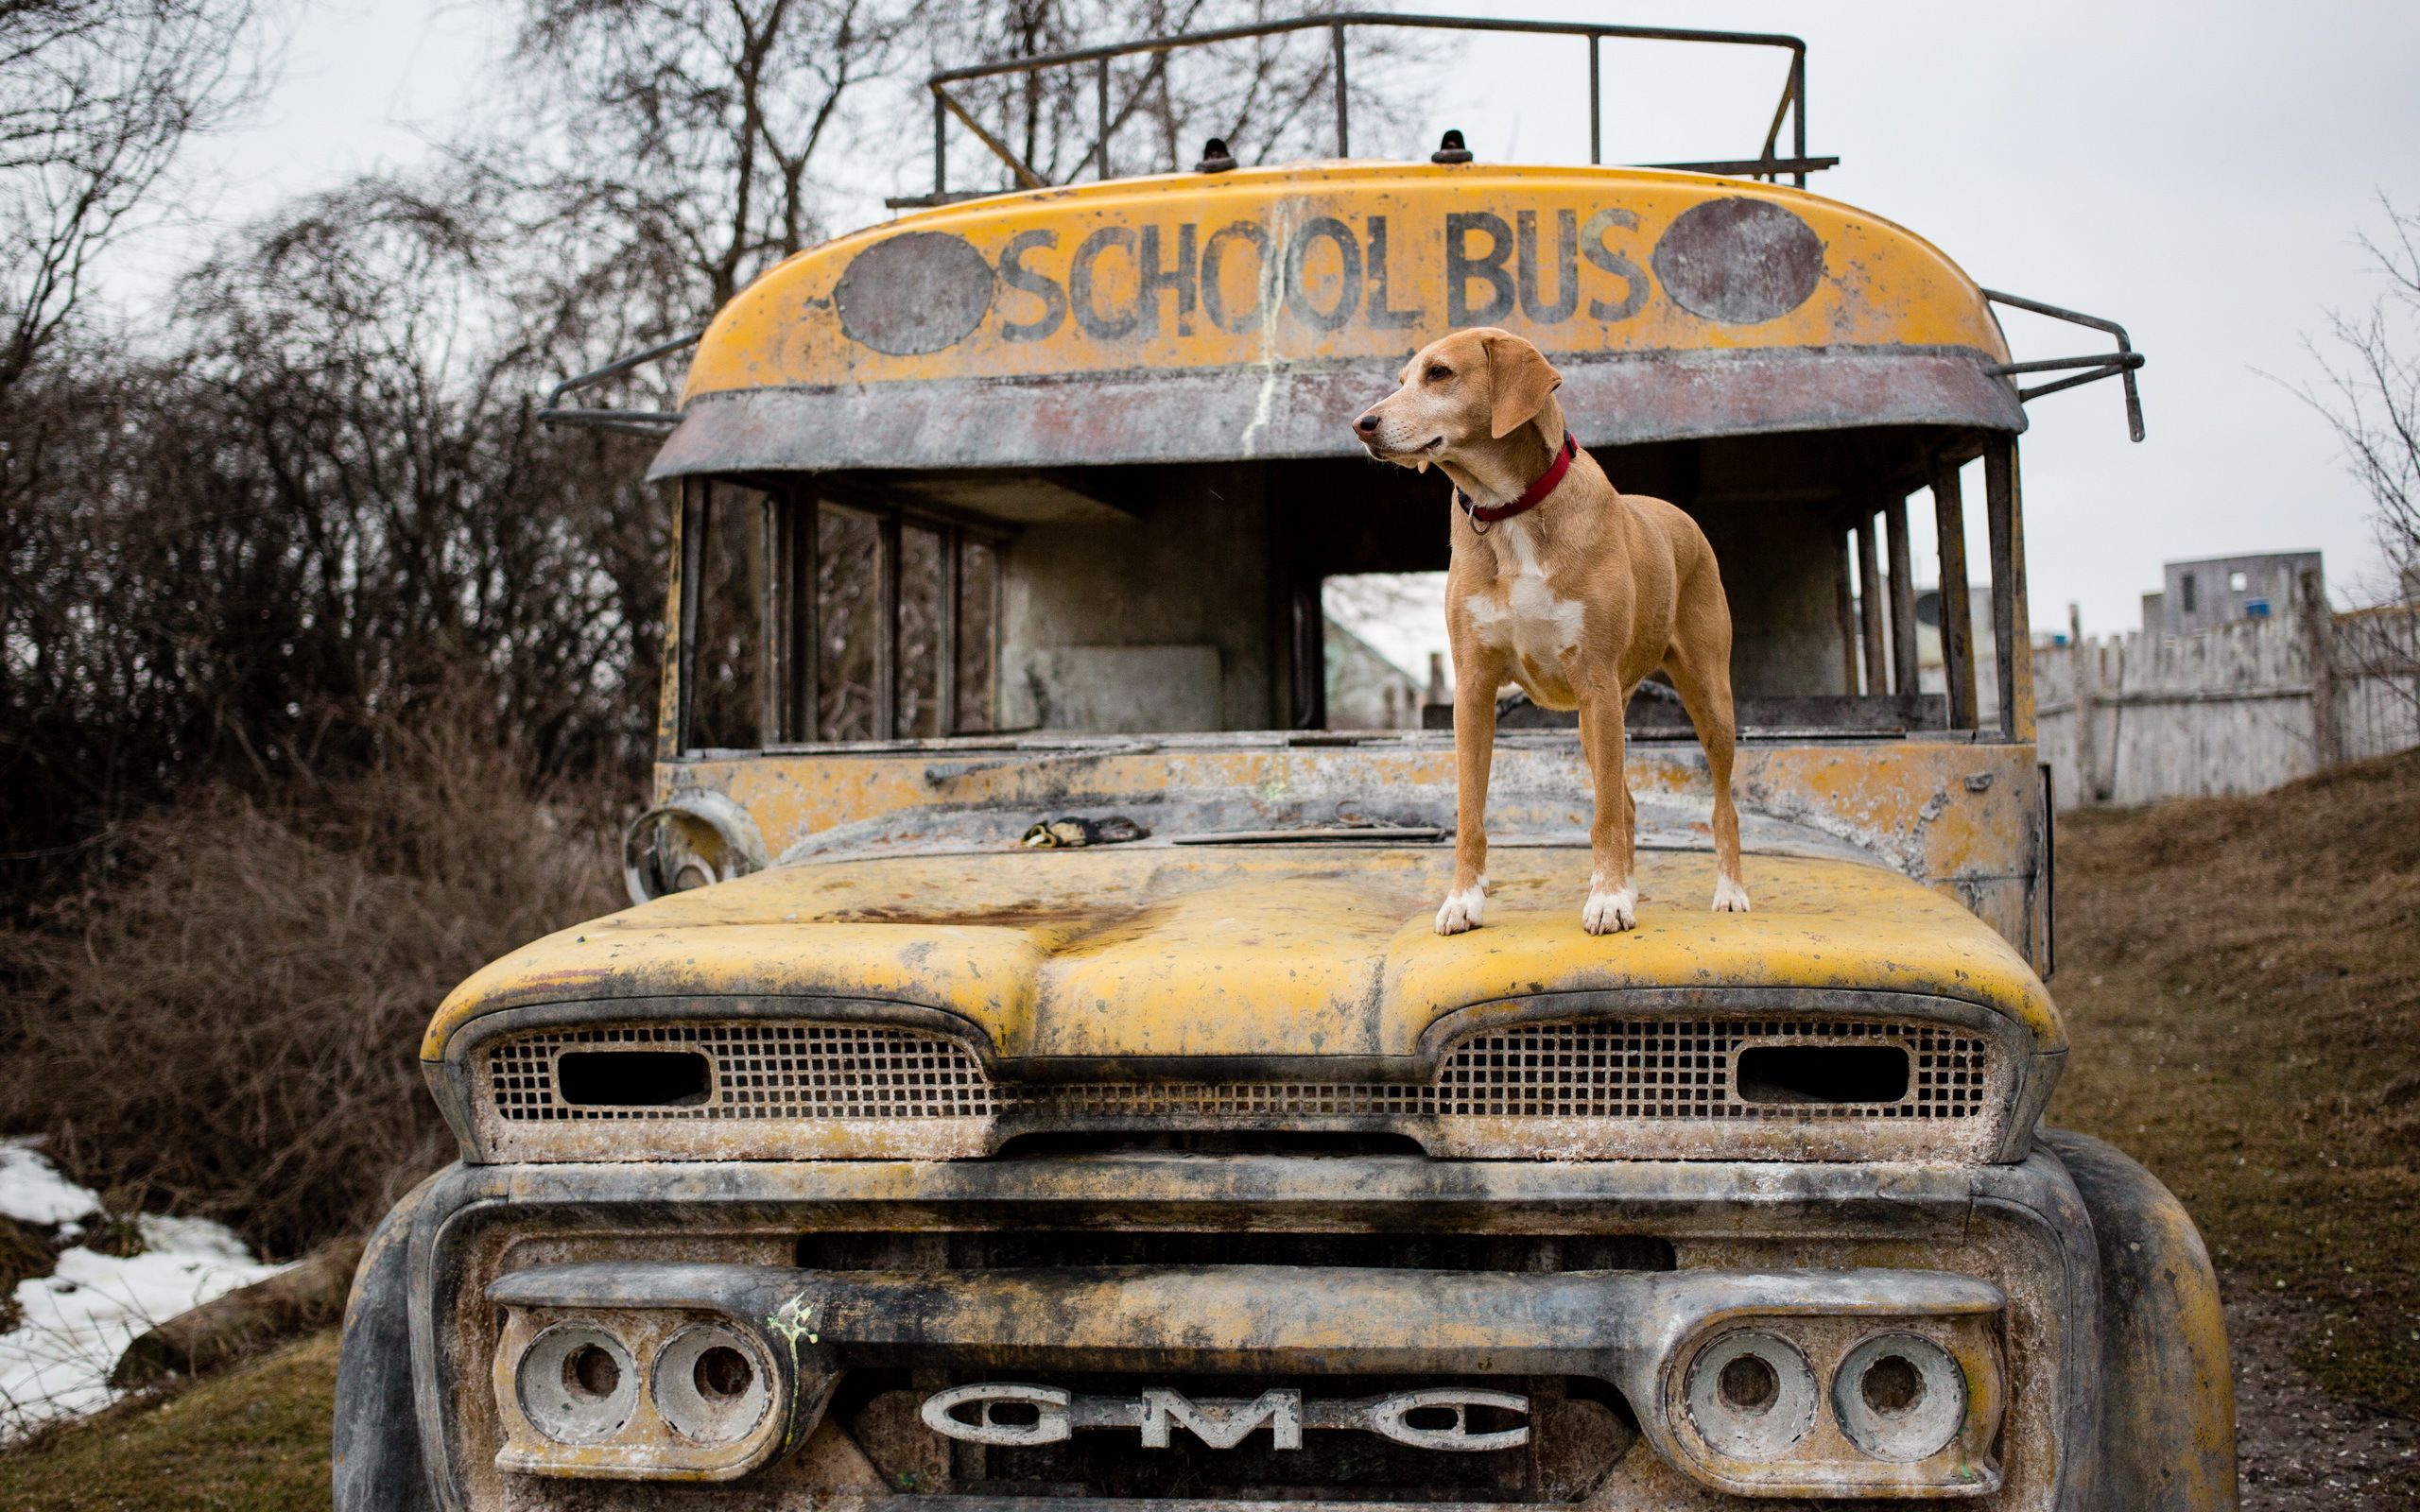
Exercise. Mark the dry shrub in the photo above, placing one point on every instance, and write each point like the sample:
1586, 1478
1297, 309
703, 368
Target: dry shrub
233, 1029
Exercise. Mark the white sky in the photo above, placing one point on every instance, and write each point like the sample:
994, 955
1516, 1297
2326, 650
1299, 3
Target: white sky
2197, 172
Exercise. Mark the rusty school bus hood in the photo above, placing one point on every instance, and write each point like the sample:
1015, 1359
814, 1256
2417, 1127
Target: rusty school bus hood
1198, 956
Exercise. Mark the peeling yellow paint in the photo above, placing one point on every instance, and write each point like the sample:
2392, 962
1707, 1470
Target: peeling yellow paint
1251, 951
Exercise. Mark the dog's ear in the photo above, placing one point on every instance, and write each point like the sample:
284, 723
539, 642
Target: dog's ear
1519, 377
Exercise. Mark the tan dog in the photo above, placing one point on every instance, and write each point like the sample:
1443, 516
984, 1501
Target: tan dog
1576, 593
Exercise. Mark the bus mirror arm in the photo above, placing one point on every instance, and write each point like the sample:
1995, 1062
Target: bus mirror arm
629, 422
2119, 364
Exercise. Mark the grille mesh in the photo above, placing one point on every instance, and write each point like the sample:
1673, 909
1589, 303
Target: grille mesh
1598, 1069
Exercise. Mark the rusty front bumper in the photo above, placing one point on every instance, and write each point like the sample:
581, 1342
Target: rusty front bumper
1993, 1265
1660, 1339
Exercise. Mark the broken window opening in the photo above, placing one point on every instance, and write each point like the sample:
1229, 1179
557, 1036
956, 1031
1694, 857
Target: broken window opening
818, 620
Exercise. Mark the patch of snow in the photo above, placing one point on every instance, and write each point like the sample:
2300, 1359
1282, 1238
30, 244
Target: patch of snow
31, 1191
75, 1322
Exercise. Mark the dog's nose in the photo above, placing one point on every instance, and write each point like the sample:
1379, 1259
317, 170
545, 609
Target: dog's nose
1367, 425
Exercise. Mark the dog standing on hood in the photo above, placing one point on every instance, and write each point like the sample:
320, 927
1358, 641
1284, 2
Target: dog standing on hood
1565, 586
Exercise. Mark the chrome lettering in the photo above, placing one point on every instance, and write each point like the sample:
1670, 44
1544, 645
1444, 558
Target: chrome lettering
1224, 1423
1051, 1424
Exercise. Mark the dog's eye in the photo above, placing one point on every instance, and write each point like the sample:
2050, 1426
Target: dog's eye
1438, 375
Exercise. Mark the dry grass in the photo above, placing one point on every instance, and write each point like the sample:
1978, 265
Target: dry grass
255, 1439
2242, 980
233, 1029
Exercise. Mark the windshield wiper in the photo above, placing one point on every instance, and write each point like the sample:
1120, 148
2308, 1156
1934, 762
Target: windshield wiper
1322, 835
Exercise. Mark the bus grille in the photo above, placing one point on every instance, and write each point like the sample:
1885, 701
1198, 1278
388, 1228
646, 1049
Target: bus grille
1594, 1069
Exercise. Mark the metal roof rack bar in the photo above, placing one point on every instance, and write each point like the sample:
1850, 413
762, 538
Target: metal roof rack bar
1792, 103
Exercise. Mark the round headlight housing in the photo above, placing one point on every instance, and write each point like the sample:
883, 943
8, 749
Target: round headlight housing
1900, 1396
696, 840
1751, 1395
577, 1383
711, 1385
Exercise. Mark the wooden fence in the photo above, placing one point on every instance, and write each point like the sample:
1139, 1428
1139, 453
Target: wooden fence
2239, 709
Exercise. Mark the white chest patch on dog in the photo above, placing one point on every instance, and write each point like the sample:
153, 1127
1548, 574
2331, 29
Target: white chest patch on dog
1520, 613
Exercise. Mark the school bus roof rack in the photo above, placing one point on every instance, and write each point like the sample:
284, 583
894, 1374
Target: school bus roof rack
1792, 105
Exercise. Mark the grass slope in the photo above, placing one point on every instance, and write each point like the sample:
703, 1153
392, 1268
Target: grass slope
2241, 977
255, 1440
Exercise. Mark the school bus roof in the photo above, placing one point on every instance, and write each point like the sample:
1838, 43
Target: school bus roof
1251, 314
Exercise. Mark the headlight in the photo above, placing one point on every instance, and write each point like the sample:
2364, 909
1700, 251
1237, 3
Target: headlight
711, 1385
1837, 1404
1900, 1396
668, 1392
696, 840
577, 1383
1751, 1394
1857, 1383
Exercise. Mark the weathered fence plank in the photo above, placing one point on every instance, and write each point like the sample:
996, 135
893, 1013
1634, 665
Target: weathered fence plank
2239, 708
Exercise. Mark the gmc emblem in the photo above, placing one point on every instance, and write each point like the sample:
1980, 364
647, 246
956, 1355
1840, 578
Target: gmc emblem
1220, 1422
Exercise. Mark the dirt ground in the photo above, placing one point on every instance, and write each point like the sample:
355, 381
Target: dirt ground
2241, 980
2301, 1449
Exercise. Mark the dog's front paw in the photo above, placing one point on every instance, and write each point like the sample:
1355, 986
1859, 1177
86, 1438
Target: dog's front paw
1609, 912
1728, 896
1462, 910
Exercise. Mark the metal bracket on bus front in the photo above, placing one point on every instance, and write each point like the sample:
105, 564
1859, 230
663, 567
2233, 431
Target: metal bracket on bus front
627, 421
2119, 364
695, 840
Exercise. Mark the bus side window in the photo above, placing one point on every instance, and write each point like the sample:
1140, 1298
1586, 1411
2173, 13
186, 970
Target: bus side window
723, 662
846, 592
882, 623
978, 634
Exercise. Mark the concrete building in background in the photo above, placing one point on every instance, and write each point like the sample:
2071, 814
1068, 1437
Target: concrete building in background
2215, 590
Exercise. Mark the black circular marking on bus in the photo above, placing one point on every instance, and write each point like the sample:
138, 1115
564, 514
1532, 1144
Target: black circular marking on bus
917, 292
1738, 261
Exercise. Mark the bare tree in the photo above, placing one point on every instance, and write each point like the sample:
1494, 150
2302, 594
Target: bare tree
1269, 97
96, 97
703, 119
2372, 398
318, 504
725, 127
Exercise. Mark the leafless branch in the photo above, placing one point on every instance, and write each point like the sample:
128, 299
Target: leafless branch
97, 97
2372, 393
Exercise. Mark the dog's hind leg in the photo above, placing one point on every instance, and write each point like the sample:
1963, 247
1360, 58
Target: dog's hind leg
1475, 679
1613, 890
1698, 664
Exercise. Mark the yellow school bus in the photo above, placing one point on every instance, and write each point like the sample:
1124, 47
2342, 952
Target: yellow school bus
1028, 1072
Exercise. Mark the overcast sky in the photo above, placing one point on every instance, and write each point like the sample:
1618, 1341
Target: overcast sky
2197, 172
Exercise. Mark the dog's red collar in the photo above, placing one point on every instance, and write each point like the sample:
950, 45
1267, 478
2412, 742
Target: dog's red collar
1489, 514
